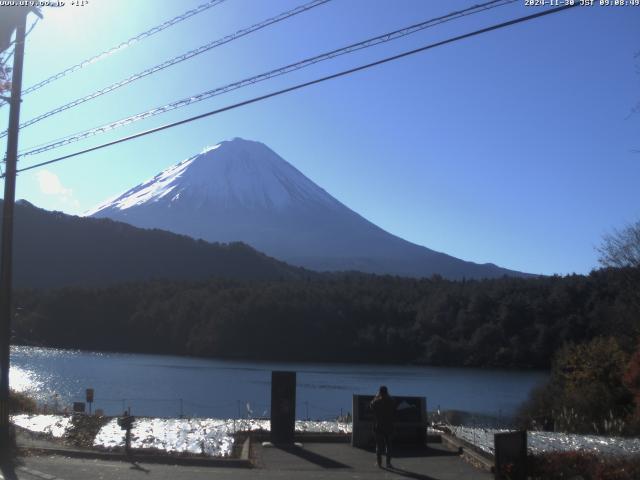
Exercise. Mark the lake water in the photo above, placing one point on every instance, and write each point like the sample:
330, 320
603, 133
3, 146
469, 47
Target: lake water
163, 385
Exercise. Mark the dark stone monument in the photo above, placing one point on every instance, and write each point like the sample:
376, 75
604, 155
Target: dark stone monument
283, 407
78, 407
511, 455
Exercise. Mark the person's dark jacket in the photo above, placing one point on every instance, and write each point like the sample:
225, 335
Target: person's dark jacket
384, 409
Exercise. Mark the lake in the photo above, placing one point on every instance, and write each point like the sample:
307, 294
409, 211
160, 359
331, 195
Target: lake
168, 386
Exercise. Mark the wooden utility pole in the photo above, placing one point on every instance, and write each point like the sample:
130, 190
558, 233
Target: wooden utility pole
7, 230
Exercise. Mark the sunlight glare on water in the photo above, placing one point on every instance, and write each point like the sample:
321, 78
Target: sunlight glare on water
23, 380
172, 386
26, 376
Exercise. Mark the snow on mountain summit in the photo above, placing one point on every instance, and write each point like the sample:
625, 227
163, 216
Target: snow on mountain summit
237, 171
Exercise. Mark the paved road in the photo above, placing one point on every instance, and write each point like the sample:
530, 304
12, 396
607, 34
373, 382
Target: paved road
313, 461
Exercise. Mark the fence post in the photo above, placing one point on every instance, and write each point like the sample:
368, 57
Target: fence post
474, 422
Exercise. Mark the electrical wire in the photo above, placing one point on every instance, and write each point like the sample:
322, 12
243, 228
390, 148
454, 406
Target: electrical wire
175, 60
387, 37
9, 54
307, 84
5, 58
125, 44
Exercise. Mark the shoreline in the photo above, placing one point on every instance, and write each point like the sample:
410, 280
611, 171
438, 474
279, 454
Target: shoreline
283, 362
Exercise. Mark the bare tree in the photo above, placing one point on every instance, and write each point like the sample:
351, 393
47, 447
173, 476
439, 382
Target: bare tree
621, 248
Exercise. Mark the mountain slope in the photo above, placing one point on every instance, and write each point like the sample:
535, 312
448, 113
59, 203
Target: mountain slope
241, 190
52, 249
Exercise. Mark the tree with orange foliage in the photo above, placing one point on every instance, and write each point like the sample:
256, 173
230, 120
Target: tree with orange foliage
590, 386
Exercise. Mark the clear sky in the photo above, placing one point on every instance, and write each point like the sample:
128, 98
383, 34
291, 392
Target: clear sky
515, 147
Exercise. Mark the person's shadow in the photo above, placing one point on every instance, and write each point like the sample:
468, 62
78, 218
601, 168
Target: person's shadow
136, 466
408, 474
312, 457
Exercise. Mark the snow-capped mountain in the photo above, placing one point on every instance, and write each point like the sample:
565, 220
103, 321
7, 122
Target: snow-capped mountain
241, 190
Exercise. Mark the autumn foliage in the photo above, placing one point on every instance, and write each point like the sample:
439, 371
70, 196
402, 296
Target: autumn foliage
587, 466
588, 391
631, 380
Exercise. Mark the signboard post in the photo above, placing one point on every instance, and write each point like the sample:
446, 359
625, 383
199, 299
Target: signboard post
89, 398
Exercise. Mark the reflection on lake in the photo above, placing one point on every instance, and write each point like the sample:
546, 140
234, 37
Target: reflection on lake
163, 385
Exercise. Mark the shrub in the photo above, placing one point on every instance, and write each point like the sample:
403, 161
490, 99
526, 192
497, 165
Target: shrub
21, 403
632, 382
586, 392
589, 466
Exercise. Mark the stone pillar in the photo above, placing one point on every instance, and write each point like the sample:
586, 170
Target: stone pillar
283, 407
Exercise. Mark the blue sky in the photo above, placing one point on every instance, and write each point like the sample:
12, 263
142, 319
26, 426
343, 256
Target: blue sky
515, 147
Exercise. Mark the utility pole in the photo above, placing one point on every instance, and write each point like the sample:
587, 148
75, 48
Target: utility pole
7, 230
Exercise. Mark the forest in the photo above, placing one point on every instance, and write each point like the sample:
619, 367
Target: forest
507, 322
583, 328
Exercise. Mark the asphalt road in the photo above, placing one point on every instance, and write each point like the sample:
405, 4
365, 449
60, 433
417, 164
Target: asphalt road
313, 461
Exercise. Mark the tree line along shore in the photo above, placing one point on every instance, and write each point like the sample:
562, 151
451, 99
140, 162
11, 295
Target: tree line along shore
584, 328
507, 322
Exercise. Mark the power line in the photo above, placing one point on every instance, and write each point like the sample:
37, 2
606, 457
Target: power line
125, 44
9, 53
175, 60
29, 30
68, 139
5, 58
305, 84
33, 25
387, 37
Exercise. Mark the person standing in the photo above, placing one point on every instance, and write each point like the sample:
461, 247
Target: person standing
384, 409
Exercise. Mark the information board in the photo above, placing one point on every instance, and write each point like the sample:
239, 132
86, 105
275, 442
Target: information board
410, 421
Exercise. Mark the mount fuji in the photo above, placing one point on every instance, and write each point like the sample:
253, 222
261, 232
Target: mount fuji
241, 190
